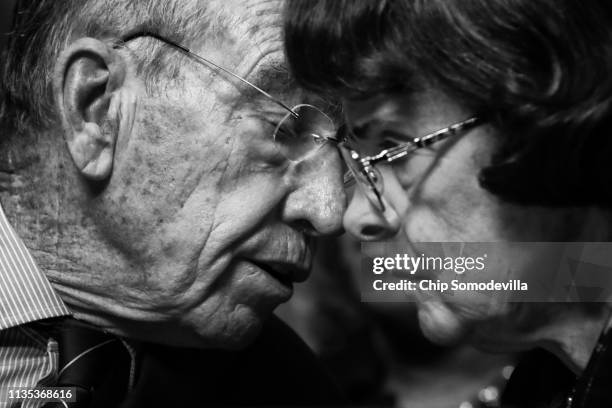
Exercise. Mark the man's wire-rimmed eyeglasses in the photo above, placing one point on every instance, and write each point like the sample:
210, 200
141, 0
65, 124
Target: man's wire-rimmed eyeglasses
302, 131
368, 177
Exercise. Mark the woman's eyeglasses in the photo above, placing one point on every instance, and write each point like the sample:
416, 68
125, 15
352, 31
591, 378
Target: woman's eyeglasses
369, 179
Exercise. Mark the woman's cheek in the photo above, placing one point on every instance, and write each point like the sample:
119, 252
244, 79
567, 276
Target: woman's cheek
439, 323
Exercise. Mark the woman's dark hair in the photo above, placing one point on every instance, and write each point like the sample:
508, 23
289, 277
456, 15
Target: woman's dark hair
540, 69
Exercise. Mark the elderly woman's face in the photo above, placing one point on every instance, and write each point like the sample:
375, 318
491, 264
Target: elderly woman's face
434, 195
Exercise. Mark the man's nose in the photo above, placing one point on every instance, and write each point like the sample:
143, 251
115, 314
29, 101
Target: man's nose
367, 223
317, 202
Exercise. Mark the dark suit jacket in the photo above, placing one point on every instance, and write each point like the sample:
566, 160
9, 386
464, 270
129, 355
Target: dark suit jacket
277, 369
542, 381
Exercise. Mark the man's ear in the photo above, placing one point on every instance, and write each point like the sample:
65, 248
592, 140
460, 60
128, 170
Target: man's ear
95, 104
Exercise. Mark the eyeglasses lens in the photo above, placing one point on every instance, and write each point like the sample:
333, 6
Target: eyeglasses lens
297, 137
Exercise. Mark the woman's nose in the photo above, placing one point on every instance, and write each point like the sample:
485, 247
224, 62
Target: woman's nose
366, 223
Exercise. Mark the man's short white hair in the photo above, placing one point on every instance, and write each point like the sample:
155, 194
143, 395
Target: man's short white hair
43, 27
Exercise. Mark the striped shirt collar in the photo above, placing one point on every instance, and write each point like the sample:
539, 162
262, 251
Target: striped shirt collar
25, 293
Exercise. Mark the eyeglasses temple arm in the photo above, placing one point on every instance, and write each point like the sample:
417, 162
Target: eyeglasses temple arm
400, 151
209, 62
264, 93
390, 154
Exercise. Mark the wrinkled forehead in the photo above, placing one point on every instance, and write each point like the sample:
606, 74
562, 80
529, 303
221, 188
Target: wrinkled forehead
251, 43
254, 23
246, 37
243, 37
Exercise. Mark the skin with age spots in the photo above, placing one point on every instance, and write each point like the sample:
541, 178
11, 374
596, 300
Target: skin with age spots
178, 243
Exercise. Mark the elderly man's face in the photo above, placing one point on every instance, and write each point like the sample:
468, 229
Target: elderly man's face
212, 223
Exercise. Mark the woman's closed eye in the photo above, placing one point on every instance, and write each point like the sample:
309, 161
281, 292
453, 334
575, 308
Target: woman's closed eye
387, 144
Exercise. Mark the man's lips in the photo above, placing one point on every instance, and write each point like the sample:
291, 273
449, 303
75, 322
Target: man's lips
285, 272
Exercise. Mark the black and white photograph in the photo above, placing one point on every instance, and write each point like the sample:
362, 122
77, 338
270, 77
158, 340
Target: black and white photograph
305, 203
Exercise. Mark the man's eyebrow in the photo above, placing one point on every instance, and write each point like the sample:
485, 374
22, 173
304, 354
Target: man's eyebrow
272, 78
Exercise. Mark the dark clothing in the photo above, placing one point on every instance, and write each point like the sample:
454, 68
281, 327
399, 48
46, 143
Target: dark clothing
539, 380
277, 369
542, 381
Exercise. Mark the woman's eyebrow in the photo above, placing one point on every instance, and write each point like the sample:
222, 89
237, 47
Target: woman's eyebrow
363, 131
397, 134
